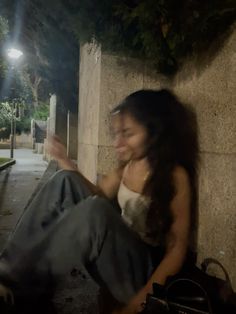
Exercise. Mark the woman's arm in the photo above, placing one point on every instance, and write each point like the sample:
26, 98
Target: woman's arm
57, 150
177, 241
107, 186
178, 237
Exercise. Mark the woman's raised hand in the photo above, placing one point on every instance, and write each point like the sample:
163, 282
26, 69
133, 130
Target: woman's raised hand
57, 150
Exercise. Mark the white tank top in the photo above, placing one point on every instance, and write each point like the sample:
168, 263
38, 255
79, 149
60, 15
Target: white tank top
134, 207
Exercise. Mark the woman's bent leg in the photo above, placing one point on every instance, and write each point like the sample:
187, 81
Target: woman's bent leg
94, 235
53, 238
28, 241
124, 263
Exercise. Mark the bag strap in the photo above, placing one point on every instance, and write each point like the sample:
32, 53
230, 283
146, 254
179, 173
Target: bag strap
180, 280
210, 260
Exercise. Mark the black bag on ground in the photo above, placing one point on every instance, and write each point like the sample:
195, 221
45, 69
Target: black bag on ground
181, 295
220, 291
193, 291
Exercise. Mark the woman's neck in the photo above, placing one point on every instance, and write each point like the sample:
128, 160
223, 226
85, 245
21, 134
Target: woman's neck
139, 162
140, 165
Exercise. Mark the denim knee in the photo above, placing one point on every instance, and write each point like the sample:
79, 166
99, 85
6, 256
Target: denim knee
64, 174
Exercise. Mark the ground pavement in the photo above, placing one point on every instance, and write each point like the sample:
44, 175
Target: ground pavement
17, 183
78, 294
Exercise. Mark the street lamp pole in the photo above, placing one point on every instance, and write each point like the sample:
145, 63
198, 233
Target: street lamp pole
13, 54
12, 134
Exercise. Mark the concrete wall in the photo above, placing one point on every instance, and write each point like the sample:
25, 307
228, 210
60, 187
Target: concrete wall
24, 140
213, 94
211, 90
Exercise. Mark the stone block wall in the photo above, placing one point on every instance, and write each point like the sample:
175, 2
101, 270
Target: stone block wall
211, 91
89, 109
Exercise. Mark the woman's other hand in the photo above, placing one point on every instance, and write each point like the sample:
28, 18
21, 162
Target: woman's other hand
135, 305
55, 148
6, 294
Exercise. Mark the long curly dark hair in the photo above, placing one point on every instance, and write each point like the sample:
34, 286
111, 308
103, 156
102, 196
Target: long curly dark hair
173, 141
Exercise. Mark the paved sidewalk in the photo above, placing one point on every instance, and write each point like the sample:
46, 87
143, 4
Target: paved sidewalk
17, 184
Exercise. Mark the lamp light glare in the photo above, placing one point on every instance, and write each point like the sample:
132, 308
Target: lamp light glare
14, 53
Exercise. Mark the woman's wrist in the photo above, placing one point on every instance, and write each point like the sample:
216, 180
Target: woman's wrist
67, 164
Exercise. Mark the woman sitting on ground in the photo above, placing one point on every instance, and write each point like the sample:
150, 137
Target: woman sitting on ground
72, 222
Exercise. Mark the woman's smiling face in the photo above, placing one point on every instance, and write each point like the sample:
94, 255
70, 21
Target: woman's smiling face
130, 137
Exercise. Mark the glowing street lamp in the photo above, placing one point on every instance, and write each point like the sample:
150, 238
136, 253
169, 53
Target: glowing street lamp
14, 53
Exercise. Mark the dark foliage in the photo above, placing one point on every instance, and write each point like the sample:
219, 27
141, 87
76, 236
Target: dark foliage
162, 31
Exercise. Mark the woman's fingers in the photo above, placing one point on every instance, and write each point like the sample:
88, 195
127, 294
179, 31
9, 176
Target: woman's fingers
6, 294
11, 297
56, 148
54, 138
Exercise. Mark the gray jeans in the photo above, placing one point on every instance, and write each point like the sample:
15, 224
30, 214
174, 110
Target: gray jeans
65, 227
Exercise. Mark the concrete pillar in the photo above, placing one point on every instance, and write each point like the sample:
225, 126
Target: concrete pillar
57, 121
104, 81
72, 135
40, 148
51, 122
89, 106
